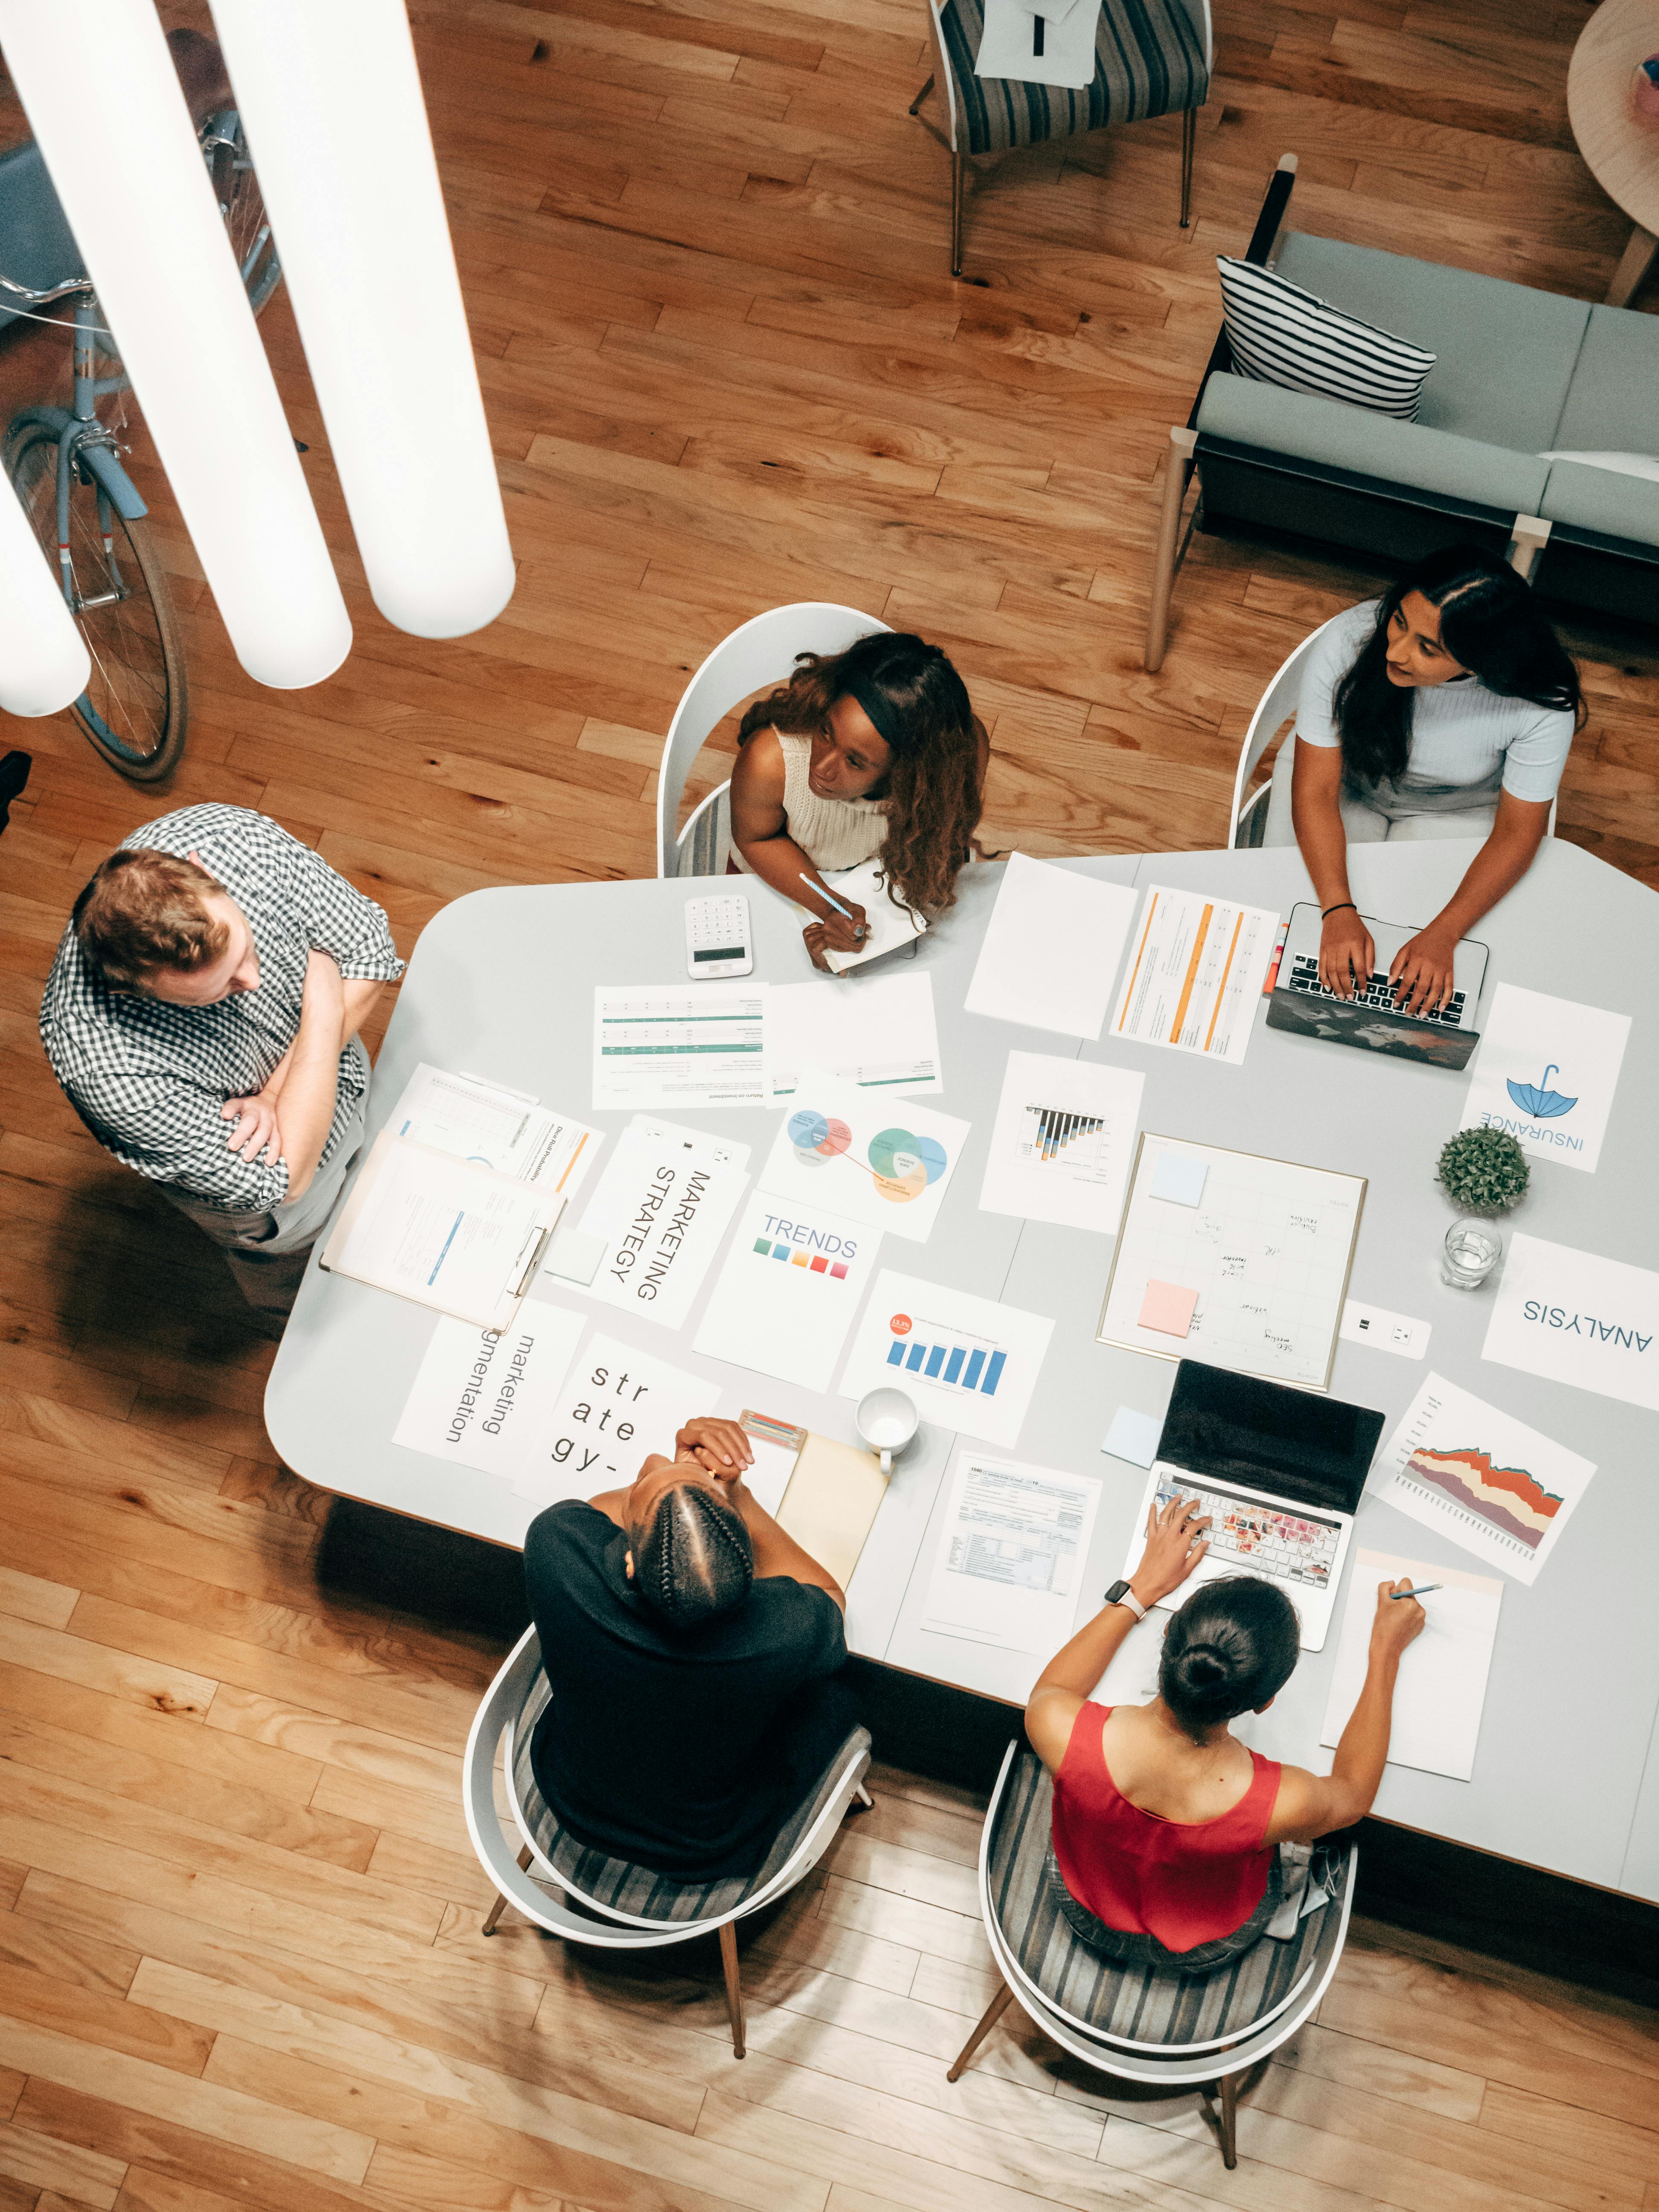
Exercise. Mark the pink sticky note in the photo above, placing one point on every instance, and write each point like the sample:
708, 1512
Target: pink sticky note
1168, 1308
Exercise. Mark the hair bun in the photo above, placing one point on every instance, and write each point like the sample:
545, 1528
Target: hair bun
1204, 1668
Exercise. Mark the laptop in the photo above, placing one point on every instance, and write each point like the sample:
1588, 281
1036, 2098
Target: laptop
1279, 1473
1372, 1018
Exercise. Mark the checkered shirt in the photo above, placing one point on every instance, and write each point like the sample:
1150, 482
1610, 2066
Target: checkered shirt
149, 1079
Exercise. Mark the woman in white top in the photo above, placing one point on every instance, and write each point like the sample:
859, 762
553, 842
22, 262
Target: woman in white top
1446, 708
875, 751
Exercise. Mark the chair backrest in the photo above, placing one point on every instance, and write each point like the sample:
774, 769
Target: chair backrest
762, 651
1278, 702
1197, 14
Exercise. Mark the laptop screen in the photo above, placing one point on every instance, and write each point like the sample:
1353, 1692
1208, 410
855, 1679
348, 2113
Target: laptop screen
1311, 1450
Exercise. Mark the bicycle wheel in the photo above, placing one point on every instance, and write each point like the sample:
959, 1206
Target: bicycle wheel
241, 203
135, 709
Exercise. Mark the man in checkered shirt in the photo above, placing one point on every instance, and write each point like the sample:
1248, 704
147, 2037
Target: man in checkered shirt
202, 1015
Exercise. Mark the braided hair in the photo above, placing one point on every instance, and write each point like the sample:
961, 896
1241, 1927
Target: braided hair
1229, 1650
693, 1560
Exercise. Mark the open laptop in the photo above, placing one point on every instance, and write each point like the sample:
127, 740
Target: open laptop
1372, 1018
1280, 1472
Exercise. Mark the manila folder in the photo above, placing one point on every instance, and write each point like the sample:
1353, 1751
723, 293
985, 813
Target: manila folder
833, 1497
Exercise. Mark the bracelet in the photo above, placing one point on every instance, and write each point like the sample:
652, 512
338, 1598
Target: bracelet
1329, 910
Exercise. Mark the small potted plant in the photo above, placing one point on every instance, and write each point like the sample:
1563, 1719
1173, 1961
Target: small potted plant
1483, 1171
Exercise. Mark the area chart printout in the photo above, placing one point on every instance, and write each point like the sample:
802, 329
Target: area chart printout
1194, 975
1063, 1140
969, 1363
671, 1048
1481, 1477
1010, 1562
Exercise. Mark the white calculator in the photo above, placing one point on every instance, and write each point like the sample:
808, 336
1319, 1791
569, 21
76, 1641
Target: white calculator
717, 936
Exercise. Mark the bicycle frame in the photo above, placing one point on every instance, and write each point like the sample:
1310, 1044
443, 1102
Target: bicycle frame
84, 443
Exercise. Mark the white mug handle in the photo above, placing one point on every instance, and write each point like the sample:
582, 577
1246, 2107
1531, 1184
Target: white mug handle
886, 1460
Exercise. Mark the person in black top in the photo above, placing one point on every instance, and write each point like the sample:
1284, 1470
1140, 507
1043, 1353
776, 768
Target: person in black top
692, 1648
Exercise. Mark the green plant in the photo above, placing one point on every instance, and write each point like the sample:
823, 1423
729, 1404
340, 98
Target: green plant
1483, 1171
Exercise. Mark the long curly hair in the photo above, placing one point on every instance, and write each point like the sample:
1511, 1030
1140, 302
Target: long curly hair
932, 787
1490, 623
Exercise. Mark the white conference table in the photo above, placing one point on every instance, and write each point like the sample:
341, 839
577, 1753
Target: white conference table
1567, 1773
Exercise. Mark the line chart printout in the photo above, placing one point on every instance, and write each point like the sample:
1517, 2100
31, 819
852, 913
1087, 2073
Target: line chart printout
1062, 1141
969, 1363
1267, 1249
885, 1162
667, 1047
1194, 973
1481, 1477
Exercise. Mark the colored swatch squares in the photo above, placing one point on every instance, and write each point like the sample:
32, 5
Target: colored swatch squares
815, 1263
970, 1365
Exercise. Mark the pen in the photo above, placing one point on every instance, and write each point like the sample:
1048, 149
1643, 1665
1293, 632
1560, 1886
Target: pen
824, 894
1422, 1591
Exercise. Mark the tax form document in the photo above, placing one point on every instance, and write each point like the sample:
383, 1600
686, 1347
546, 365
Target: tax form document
1194, 973
495, 1128
1011, 1554
660, 1046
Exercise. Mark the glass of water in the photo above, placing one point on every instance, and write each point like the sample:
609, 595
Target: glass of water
1472, 1250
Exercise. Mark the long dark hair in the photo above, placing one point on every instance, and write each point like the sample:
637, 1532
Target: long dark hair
1229, 1650
932, 786
1490, 623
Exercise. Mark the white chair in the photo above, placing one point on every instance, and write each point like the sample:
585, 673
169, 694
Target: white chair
1216, 2027
615, 1906
762, 652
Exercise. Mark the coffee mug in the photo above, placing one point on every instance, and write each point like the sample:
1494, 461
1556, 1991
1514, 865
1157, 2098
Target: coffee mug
887, 1422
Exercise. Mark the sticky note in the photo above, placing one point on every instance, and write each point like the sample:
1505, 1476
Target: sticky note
1133, 1436
1168, 1308
1178, 1176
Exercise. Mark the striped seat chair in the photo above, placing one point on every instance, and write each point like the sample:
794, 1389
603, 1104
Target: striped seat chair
1150, 2024
1151, 58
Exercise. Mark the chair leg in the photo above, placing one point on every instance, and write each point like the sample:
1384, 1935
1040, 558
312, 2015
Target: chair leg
1188, 140
500, 1905
956, 212
1230, 2120
916, 103
866, 1803
733, 1985
989, 2018
1178, 469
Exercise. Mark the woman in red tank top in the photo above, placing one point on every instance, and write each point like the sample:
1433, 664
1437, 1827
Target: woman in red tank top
1166, 1828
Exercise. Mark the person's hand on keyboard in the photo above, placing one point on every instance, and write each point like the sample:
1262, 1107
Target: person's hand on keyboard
1421, 972
1175, 1542
1346, 952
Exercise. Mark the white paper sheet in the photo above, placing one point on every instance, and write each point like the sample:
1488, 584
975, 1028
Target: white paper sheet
879, 1034
1011, 1552
618, 1405
968, 1363
1053, 943
1195, 972
658, 1046
784, 1299
885, 1162
662, 1209
1442, 1684
495, 1128
769, 1476
1005, 50
1577, 1318
1546, 1069
479, 1394
1063, 1141
1479, 1476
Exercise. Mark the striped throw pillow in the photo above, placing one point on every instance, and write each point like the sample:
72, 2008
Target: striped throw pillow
1280, 334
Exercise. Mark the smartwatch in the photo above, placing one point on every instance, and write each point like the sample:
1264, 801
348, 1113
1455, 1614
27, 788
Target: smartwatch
1120, 1593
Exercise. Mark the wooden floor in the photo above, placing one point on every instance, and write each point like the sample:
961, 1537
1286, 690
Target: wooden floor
705, 252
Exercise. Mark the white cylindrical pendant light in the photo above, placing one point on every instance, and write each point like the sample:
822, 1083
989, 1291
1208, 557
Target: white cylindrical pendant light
43, 657
330, 97
97, 83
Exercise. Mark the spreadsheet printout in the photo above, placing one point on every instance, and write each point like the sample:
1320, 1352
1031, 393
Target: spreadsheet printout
1194, 973
1011, 1558
669, 1048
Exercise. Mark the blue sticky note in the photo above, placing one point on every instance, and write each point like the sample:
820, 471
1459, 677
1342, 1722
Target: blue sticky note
1177, 1176
1133, 1436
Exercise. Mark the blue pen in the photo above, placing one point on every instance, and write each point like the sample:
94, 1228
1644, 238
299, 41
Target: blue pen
822, 893
1422, 1590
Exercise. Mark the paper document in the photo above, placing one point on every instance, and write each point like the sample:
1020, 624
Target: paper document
777, 1447
1063, 1141
880, 1035
658, 1047
1194, 973
1442, 1684
479, 1394
885, 1162
784, 1300
724, 1150
618, 1405
662, 1208
443, 1232
1546, 1069
1007, 47
1053, 943
495, 1128
831, 1503
968, 1363
1481, 1477
891, 923
1577, 1318
1133, 1436
1011, 1554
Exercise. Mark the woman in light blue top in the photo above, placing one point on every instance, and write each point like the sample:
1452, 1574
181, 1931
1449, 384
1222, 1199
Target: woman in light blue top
1445, 709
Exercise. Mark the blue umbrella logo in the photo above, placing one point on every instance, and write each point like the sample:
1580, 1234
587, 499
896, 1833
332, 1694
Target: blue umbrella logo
1542, 1103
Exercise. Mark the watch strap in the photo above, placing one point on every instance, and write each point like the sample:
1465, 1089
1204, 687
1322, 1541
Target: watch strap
1120, 1593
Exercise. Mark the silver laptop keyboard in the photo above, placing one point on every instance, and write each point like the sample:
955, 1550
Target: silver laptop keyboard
1377, 993
1265, 1540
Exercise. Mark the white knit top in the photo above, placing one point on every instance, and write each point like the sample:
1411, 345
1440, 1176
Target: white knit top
833, 833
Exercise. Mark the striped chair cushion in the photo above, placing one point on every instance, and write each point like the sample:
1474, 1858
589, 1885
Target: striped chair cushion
1280, 334
1148, 61
595, 1875
1143, 2004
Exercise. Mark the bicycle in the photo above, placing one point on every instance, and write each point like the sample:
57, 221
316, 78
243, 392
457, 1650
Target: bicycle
86, 511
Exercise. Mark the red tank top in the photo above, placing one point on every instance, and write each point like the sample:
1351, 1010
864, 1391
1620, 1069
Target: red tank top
1185, 1882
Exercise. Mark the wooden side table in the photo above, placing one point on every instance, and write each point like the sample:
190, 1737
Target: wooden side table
1621, 153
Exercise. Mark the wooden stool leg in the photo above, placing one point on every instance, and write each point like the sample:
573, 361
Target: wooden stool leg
955, 213
1230, 2120
1178, 468
1188, 139
989, 2018
916, 103
733, 1985
500, 1905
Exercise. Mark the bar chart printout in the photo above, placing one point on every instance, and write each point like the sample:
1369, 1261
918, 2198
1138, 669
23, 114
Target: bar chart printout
969, 1364
945, 1356
1194, 971
1063, 1141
